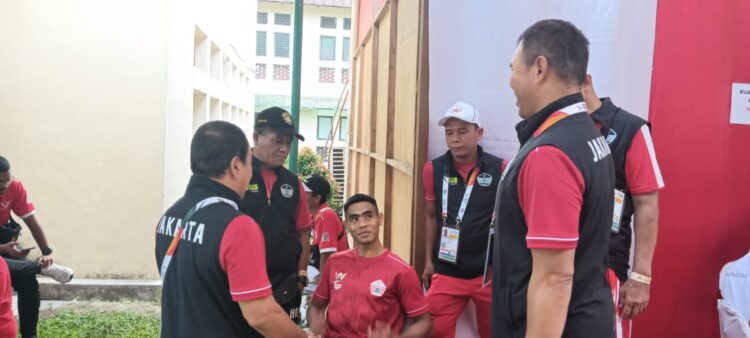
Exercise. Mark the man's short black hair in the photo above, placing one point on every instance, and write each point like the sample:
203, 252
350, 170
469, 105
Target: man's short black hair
360, 198
214, 145
562, 44
4, 164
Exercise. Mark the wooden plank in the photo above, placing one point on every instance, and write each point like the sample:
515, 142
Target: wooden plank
404, 167
401, 214
422, 123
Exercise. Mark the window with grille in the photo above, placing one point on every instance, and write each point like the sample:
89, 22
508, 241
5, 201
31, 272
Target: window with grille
281, 72
347, 24
260, 70
282, 19
281, 45
324, 126
326, 74
345, 50
260, 43
262, 18
328, 48
327, 22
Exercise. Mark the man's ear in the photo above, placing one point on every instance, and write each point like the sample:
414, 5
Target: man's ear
256, 135
235, 166
541, 67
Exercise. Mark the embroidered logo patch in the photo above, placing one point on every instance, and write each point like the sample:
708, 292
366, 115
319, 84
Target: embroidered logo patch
611, 136
452, 180
325, 237
339, 278
484, 179
287, 191
252, 187
377, 288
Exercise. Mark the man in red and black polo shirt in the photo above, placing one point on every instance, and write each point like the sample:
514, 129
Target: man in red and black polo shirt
13, 197
368, 288
637, 182
555, 201
459, 189
328, 232
211, 256
275, 199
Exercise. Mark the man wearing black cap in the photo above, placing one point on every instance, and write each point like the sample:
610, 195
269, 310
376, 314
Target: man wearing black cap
328, 232
275, 200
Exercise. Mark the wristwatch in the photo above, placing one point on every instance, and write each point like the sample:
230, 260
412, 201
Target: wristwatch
46, 251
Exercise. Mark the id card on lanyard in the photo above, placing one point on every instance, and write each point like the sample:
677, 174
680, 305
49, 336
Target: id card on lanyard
617, 217
450, 234
178, 232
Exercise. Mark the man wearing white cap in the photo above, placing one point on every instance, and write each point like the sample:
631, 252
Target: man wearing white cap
460, 188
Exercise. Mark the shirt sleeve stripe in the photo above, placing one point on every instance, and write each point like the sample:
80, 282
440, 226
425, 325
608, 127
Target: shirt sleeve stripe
558, 239
250, 291
28, 214
327, 250
417, 310
650, 146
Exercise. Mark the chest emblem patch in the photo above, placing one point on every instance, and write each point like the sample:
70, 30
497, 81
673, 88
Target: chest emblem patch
339, 278
611, 136
377, 288
484, 179
252, 187
287, 191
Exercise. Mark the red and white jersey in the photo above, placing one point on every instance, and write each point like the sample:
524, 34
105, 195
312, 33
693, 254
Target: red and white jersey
15, 199
361, 291
328, 231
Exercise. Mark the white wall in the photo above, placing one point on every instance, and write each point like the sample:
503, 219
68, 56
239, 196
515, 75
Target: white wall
81, 120
96, 116
228, 26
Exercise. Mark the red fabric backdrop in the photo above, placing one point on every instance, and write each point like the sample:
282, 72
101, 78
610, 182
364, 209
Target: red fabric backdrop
701, 48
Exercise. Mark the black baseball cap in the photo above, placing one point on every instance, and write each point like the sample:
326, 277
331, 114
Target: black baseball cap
319, 185
277, 119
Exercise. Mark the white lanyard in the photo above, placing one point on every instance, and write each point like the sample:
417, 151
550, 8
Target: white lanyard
178, 232
467, 194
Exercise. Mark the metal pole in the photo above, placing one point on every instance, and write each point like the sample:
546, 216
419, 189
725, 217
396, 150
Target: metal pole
296, 77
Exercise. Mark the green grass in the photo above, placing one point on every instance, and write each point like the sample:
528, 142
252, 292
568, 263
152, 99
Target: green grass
71, 324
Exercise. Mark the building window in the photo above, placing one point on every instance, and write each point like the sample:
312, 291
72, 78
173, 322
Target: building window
282, 19
324, 126
281, 45
328, 48
345, 50
260, 43
262, 18
327, 22
344, 75
347, 24
260, 71
281, 72
343, 129
326, 74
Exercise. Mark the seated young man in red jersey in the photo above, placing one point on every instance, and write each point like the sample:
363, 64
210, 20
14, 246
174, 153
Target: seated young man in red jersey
368, 289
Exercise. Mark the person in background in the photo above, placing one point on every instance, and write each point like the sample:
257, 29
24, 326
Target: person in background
328, 232
637, 182
13, 197
275, 200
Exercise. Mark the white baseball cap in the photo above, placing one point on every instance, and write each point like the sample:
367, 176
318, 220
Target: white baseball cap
462, 111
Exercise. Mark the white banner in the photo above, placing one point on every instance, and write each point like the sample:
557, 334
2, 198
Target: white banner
472, 43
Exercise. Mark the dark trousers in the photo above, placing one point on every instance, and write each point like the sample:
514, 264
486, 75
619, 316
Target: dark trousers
23, 279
